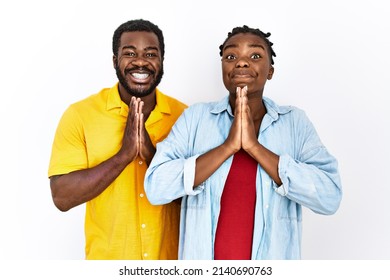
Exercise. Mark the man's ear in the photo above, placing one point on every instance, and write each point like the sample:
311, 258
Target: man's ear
270, 73
114, 61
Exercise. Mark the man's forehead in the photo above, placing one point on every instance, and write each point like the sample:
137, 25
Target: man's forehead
137, 39
139, 35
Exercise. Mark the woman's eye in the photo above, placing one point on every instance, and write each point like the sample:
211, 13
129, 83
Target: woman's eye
230, 56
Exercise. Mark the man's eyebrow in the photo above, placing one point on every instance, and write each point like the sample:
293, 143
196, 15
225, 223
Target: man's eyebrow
151, 48
145, 49
129, 47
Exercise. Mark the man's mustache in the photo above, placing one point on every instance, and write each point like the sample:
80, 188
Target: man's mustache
140, 69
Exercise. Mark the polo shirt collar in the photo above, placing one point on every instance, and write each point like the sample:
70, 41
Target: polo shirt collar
162, 102
114, 101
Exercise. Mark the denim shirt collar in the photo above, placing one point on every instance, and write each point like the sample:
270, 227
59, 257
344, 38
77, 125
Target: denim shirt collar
273, 110
221, 106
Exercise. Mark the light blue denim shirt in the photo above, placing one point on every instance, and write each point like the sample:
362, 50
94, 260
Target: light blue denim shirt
309, 175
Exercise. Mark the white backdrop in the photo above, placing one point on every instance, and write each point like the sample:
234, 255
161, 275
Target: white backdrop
332, 61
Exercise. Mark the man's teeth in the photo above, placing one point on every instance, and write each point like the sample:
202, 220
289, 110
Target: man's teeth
140, 75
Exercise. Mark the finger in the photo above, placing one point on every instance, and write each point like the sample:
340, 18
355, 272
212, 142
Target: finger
133, 108
132, 102
135, 125
141, 127
130, 116
244, 98
136, 128
140, 122
244, 91
238, 101
140, 106
136, 105
134, 116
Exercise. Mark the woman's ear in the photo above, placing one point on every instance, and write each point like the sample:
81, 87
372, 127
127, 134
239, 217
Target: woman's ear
270, 73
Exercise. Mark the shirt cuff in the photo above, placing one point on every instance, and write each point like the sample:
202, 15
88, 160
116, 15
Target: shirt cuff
282, 169
189, 177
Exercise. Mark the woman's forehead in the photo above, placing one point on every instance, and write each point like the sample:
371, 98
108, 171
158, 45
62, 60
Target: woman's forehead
245, 39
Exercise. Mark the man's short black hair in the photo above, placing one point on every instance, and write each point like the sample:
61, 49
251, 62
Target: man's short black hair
137, 25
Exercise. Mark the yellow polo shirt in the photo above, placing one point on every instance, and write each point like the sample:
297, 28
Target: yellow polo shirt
120, 223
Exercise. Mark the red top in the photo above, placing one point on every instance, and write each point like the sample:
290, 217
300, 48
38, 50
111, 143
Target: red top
233, 240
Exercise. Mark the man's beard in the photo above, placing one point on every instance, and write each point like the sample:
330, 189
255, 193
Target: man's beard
136, 91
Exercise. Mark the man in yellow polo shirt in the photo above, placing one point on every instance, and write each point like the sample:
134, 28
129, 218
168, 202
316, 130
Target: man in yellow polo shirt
103, 145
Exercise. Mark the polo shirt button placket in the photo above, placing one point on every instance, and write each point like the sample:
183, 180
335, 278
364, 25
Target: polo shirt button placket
143, 226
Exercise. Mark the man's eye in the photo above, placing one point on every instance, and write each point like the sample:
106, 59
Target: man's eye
151, 55
256, 56
131, 54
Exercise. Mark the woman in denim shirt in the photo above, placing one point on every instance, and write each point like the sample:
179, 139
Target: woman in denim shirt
243, 166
